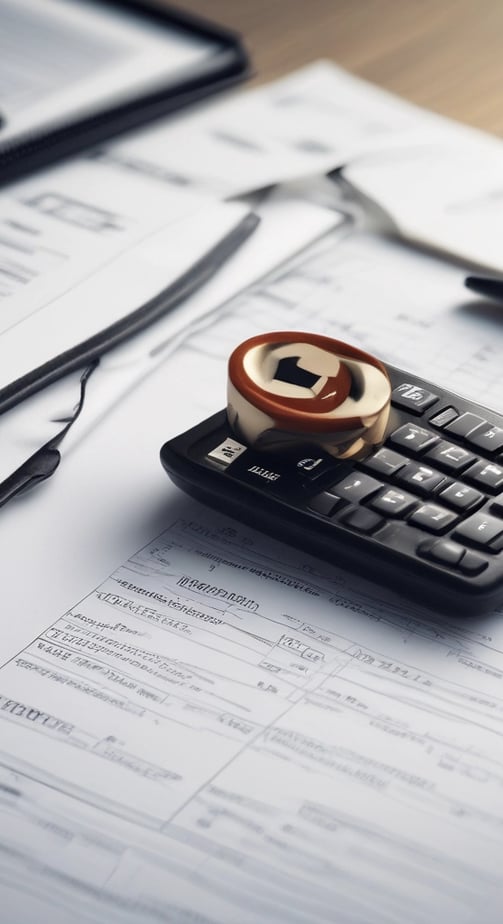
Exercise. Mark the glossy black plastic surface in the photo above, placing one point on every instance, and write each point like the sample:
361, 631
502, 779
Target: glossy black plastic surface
422, 515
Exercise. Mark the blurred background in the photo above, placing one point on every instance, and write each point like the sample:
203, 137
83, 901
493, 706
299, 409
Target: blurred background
442, 54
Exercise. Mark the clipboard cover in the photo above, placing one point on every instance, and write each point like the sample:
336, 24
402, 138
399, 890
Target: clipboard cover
226, 64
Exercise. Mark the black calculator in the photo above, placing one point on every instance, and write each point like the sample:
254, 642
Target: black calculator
422, 513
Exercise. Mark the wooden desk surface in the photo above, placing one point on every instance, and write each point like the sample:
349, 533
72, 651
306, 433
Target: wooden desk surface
446, 55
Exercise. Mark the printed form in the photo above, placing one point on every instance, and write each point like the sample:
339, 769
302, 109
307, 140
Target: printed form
225, 729
83, 245
245, 739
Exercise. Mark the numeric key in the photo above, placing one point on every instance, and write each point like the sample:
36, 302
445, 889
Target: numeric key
393, 503
481, 529
385, 462
420, 478
488, 438
460, 496
486, 474
465, 424
356, 487
413, 438
433, 518
449, 456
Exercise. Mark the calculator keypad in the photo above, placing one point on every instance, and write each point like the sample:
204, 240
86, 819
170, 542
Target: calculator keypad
442, 490
421, 514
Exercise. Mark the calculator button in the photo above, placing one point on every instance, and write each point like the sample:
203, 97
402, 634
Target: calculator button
443, 551
488, 475
362, 519
444, 417
480, 529
472, 563
497, 506
465, 424
497, 544
449, 456
413, 397
420, 477
227, 451
413, 437
385, 462
432, 517
393, 503
447, 552
460, 496
488, 438
324, 503
357, 487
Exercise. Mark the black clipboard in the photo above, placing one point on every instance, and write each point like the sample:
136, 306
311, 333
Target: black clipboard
227, 64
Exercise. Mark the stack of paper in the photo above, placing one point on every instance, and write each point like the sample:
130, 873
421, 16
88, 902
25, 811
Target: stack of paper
198, 724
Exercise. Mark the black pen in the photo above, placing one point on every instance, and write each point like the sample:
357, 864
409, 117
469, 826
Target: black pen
85, 352
491, 287
45, 460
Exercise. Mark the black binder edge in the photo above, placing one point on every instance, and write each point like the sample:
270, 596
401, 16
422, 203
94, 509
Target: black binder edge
226, 69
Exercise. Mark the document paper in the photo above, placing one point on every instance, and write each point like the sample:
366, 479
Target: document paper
82, 246
222, 733
439, 181
226, 730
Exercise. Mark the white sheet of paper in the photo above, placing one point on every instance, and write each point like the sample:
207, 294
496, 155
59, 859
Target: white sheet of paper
306, 123
227, 729
83, 246
287, 224
445, 195
439, 181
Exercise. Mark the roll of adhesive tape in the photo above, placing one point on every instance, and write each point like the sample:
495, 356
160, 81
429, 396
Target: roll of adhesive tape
288, 388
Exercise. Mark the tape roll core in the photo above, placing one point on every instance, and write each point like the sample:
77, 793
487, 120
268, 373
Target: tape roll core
288, 387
